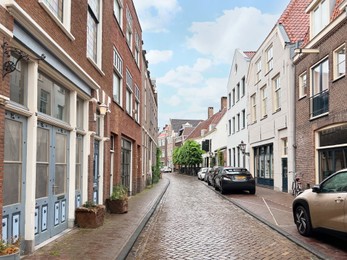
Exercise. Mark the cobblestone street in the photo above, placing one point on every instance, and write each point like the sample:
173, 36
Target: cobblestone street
193, 222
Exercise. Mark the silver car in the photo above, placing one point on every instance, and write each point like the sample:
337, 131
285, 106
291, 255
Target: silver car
324, 206
202, 172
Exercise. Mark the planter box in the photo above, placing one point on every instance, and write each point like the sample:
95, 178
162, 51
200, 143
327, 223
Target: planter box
117, 206
14, 256
90, 217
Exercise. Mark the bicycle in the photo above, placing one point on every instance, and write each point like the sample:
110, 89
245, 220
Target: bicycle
296, 185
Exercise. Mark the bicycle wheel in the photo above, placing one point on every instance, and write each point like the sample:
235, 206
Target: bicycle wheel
293, 188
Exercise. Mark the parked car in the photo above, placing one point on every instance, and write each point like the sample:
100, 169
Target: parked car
324, 206
211, 174
202, 172
234, 179
166, 169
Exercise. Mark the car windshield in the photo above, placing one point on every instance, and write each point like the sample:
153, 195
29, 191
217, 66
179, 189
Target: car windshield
237, 171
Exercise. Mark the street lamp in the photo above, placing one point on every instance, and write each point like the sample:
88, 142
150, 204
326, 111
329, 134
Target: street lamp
242, 147
103, 109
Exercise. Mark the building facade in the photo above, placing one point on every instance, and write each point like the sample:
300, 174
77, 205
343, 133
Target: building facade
320, 77
270, 84
238, 109
71, 93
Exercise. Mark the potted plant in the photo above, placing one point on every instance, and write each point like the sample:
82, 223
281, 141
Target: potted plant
90, 215
118, 201
10, 251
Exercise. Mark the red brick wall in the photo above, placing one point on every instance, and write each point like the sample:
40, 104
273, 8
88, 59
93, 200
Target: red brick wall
305, 129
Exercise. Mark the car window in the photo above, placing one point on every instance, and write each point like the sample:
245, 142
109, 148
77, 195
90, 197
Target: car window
337, 183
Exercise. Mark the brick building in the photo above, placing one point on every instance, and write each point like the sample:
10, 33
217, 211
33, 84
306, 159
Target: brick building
320, 80
70, 102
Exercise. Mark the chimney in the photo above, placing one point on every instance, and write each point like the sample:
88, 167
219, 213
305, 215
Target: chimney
224, 102
209, 112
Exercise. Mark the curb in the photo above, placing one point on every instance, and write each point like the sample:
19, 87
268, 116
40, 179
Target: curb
130, 243
282, 232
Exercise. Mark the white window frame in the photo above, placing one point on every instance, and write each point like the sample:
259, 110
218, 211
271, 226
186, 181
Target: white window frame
276, 82
303, 85
65, 21
258, 70
340, 62
269, 58
129, 93
254, 107
320, 17
129, 29
263, 92
97, 18
118, 11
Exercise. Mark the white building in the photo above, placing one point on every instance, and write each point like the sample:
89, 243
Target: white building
237, 109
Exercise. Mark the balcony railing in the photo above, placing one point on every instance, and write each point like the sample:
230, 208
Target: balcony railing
319, 103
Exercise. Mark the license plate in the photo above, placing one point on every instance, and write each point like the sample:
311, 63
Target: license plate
240, 178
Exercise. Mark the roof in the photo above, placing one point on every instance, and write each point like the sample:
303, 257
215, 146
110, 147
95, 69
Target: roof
213, 120
250, 54
176, 124
295, 20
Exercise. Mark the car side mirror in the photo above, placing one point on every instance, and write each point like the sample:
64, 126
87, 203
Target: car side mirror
316, 188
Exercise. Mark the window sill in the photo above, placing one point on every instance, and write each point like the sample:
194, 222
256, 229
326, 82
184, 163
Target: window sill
319, 116
96, 66
338, 78
277, 110
302, 97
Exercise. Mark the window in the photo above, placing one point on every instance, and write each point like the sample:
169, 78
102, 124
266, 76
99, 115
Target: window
243, 119
117, 88
234, 96
234, 127
320, 87
254, 108
276, 93
238, 92
129, 29
118, 10
238, 122
284, 146
229, 124
79, 113
269, 59
53, 100
340, 62
229, 98
137, 49
56, 7
13, 162
93, 31
137, 104
129, 92
79, 156
263, 101
258, 73
243, 86
302, 85
19, 81
320, 17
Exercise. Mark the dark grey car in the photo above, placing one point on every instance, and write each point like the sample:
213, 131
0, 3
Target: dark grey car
234, 179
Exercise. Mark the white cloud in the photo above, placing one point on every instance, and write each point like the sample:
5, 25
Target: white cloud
155, 15
156, 56
241, 27
186, 76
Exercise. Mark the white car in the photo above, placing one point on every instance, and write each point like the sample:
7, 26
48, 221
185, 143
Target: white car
201, 173
166, 169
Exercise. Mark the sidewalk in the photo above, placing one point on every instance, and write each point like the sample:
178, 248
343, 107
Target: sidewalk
115, 238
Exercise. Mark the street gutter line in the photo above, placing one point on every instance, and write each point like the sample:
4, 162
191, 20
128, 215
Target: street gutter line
270, 212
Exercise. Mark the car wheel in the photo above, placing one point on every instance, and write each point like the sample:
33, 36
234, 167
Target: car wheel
302, 221
252, 191
222, 191
209, 183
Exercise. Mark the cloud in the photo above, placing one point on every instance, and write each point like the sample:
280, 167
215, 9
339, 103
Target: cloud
186, 76
155, 15
156, 56
241, 27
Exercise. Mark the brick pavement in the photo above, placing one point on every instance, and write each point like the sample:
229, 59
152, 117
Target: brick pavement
193, 222
115, 238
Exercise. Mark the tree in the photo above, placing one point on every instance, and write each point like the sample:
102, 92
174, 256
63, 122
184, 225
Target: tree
189, 155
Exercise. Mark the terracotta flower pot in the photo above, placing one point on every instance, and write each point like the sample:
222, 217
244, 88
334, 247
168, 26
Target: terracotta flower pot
117, 206
92, 217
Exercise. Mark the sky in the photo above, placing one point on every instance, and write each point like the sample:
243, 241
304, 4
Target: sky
190, 46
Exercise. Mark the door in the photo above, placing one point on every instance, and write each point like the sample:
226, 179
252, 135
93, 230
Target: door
13, 185
96, 174
51, 182
79, 171
284, 174
126, 163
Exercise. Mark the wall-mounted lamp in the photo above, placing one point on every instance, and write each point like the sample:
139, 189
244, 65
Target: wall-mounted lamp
305, 50
9, 65
103, 109
242, 147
